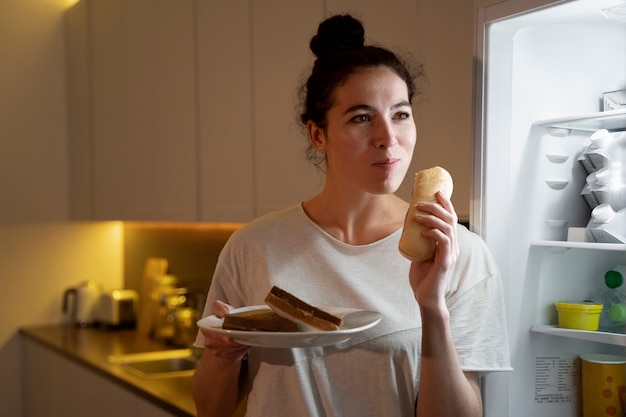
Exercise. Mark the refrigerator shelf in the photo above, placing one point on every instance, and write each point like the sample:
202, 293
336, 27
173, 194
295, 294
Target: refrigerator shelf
560, 245
613, 121
594, 336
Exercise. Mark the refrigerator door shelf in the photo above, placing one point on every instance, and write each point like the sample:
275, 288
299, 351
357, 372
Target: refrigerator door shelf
618, 339
614, 120
556, 246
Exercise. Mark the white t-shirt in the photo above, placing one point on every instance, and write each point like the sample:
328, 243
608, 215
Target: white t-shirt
375, 373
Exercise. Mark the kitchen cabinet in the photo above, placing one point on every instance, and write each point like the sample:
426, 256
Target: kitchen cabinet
280, 63
186, 110
55, 386
225, 125
131, 92
171, 117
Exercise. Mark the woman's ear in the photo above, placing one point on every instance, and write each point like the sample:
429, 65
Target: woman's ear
317, 136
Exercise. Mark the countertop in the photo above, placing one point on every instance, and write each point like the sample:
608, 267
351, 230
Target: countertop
91, 347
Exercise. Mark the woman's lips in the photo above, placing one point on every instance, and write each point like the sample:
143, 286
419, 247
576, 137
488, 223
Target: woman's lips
387, 163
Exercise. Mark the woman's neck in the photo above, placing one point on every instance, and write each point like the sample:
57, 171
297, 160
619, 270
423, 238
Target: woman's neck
357, 221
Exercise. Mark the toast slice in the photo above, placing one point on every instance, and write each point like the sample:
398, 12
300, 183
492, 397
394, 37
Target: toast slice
264, 320
291, 307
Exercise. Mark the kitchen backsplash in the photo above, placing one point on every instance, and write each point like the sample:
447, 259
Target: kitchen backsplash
190, 248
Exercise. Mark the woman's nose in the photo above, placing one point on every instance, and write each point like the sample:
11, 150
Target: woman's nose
384, 136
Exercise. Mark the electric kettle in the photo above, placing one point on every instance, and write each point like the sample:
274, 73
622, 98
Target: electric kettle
84, 307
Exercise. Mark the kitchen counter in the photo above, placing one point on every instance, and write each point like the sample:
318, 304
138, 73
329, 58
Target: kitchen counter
91, 348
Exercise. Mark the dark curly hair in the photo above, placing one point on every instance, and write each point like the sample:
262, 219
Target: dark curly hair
339, 46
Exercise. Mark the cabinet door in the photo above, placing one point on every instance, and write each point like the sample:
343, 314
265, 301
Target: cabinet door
281, 58
137, 158
57, 387
225, 110
250, 59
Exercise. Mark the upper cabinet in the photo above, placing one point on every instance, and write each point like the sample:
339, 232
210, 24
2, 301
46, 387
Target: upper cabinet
132, 104
187, 110
184, 111
226, 177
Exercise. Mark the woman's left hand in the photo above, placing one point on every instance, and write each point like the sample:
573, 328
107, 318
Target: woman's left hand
429, 279
222, 346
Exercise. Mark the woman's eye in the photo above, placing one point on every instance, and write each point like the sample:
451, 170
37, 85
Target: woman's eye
403, 115
360, 118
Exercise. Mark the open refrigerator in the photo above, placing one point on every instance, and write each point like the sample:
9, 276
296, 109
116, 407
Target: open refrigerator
542, 68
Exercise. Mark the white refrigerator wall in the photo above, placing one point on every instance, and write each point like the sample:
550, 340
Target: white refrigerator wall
534, 68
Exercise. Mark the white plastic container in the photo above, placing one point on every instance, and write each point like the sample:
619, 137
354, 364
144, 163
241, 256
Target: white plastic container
588, 196
606, 186
606, 148
607, 225
582, 160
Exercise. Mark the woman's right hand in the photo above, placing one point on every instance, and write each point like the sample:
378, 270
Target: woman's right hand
221, 346
216, 383
429, 279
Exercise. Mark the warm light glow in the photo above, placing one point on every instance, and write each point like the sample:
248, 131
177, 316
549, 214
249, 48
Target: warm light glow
70, 3
185, 225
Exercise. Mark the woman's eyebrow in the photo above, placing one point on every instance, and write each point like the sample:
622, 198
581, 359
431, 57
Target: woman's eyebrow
358, 107
371, 108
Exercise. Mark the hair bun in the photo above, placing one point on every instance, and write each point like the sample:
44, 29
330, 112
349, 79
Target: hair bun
337, 32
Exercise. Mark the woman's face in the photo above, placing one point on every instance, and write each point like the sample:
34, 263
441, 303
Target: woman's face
370, 133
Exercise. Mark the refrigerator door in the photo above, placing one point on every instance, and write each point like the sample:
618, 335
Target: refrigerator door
541, 69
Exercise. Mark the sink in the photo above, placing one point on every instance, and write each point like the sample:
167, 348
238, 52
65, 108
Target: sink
158, 364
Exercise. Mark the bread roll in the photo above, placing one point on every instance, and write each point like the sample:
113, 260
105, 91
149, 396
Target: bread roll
428, 182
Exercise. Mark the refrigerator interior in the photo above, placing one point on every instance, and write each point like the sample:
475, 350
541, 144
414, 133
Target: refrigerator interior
541, 73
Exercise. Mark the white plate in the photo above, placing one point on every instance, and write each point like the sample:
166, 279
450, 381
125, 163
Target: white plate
354, 321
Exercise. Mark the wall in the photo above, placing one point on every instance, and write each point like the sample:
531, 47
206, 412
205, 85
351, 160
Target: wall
38, 261
444, 122
41, 254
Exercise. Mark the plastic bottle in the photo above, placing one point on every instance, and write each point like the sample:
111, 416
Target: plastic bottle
588, 196
606, 186
613, 316
582, 160
607, 225
604, 159
605, 148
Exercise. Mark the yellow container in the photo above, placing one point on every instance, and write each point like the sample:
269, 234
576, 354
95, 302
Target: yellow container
579, 315
603, 385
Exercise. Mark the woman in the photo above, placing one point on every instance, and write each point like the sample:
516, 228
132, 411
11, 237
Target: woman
443, 320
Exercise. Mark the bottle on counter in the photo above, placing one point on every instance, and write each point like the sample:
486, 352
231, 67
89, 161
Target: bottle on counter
613, 300
169, 300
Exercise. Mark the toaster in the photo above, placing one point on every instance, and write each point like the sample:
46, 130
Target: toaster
118, 308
